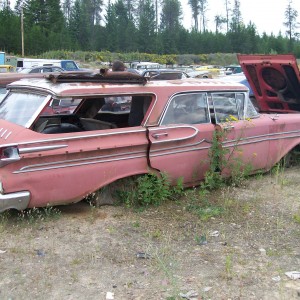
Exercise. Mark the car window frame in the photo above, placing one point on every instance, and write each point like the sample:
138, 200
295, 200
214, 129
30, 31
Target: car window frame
165, 111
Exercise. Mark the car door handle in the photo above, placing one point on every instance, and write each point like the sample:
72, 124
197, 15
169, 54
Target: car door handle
157, 135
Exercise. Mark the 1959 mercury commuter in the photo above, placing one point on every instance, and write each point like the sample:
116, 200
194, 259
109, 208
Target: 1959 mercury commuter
121, 125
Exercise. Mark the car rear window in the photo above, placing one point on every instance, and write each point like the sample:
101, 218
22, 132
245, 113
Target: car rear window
19, 108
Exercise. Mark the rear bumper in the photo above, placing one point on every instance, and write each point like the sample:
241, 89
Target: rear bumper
18, 200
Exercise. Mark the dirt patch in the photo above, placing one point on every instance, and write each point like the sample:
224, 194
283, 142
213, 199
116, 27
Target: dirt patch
241, 253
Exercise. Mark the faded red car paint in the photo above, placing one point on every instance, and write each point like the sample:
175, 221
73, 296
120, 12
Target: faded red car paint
59, 159
275, 81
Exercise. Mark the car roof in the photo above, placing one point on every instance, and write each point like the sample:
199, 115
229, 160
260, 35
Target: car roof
85, 85
7, 78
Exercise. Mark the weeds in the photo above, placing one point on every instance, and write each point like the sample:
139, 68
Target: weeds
34, 215
278, 171
136, 224
296, 218
167, 264
149, 190
228, 267
4, 218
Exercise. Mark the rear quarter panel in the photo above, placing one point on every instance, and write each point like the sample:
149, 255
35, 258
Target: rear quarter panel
81, 164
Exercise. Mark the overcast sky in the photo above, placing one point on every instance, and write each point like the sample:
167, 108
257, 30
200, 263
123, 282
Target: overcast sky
267, 15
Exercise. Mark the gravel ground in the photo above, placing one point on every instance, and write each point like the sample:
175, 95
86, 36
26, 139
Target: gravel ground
166, 252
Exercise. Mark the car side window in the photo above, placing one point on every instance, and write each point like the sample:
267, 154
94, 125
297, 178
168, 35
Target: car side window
226, 107
36, 70
187, 109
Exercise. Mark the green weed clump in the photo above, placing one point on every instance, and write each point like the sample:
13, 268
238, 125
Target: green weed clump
149, 190
202, 207
296, 218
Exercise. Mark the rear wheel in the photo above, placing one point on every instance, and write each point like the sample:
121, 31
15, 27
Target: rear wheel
292, 158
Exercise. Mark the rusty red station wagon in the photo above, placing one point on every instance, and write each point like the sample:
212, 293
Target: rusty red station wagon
121, 126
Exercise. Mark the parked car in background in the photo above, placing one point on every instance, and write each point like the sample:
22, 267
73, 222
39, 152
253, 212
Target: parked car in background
200, 74
140, 66
168, 127
212, 69
164, 74
66, 64
6, 69
233, 69
44, 69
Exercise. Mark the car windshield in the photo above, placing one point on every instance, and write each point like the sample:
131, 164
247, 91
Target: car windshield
19, 108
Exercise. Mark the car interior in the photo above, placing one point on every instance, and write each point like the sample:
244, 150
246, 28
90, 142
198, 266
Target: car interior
97, 114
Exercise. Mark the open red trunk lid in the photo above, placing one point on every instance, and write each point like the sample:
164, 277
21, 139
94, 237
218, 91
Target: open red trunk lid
275, 81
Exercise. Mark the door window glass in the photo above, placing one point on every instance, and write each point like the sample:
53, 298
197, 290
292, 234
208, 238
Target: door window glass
187, 109
225, 107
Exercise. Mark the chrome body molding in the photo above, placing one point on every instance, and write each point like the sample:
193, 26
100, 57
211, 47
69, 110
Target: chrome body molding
17, 200
262, 138
70, 138
38, 149
81, 162
176, 149
180, 151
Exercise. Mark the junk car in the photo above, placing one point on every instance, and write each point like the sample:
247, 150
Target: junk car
164, 74
167, 127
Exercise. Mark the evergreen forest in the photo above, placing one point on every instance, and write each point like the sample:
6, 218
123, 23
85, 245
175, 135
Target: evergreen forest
140, 26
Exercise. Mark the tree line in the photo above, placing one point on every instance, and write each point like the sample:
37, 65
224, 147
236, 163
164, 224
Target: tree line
146, 26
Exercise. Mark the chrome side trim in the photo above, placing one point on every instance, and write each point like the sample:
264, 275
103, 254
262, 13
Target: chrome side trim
268, 136
69, 138
66, 164
180, 151
183, 146
261, 136
17, 200
233, 142
38, 149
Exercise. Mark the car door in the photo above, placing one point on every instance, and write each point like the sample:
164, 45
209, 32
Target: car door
179, 146
245, 142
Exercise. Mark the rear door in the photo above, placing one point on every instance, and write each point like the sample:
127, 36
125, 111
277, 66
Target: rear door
179, 147
245, 141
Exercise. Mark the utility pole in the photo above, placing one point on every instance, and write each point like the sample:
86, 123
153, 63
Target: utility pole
22, 30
